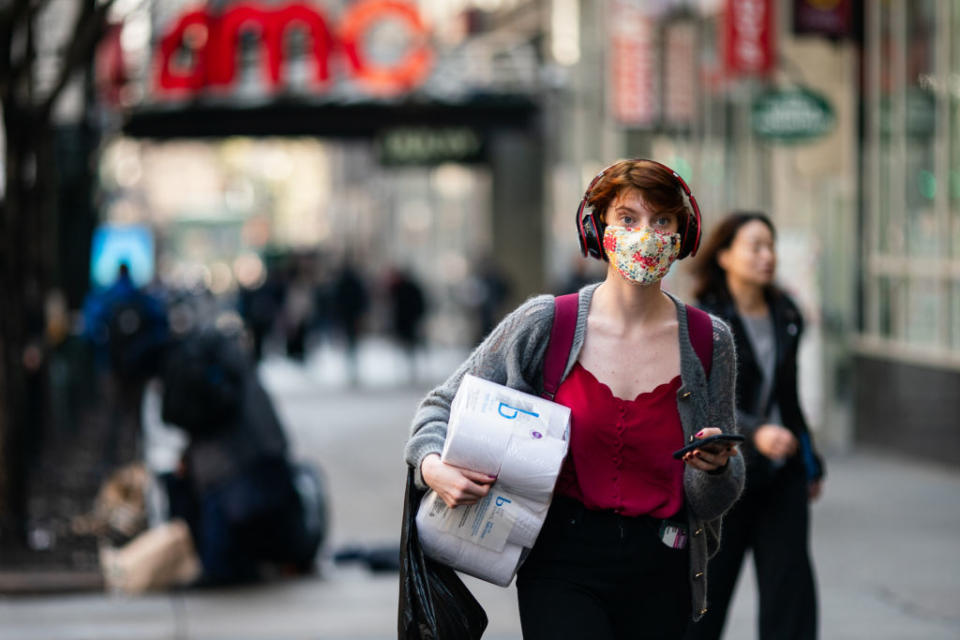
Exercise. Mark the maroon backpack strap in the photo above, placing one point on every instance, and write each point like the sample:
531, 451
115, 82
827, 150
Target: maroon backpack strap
565, 309
700, 328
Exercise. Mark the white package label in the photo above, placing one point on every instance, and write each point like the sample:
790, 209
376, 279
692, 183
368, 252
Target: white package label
486, 523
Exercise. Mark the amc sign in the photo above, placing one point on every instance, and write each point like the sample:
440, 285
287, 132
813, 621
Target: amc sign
213, 41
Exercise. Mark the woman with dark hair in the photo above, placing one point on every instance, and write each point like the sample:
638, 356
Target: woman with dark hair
735, 281
609, 561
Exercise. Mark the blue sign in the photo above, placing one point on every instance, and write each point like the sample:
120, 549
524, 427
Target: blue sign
115, 245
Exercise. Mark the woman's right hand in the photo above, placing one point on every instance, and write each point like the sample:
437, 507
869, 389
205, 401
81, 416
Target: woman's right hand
775, 442
454, 485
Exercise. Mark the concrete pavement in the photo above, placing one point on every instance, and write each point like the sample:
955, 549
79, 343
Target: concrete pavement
885, 535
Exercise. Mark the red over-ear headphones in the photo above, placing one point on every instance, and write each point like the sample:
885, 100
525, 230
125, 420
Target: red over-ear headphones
590, 230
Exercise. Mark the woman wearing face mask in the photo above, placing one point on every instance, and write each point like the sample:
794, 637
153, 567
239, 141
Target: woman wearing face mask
735, 275
624, 548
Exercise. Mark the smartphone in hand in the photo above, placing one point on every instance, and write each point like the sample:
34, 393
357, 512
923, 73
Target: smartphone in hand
705, 443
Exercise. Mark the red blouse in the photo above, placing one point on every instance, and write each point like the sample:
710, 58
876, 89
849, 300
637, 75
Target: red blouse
620, 450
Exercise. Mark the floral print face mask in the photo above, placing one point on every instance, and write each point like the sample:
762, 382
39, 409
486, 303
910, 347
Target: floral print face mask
641, 255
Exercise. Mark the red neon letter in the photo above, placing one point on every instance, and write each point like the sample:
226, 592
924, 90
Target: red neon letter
410, 70
225, 40
320, 38
172, 79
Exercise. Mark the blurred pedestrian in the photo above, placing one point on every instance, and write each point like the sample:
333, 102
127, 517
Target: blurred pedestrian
408, 307
129, 330
128, 325
484, 292
606, 563
259, 307
236, 486
350, 302
324, 315
735, 280
298, 310
577, 277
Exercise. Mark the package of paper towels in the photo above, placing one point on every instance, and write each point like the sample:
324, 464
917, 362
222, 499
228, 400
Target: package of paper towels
485, 417
521, 439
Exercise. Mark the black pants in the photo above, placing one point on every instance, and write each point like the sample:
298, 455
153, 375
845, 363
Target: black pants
601, 576
772, 519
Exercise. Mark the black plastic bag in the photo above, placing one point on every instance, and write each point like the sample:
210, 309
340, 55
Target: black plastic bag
434, 602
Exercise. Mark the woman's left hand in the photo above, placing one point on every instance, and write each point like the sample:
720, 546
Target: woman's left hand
710, 458
814, 489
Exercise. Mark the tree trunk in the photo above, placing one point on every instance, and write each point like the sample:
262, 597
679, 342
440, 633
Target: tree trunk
12, 489
25, 249
29, 237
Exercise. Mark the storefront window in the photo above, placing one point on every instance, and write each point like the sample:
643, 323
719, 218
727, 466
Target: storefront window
955, 317
890, 234
912, 283
921, 124
885, 302
925, 305
953, 93
887, 224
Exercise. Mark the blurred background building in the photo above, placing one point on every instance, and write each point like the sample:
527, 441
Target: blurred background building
453, 139
460, 134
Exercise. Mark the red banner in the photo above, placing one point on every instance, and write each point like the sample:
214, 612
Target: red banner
110, 70
749, 40
634, 64
831, 18
680, 73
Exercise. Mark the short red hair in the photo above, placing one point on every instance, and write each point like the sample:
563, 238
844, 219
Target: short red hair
658, 186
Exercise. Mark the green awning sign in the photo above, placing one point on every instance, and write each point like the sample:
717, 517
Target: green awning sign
794, 115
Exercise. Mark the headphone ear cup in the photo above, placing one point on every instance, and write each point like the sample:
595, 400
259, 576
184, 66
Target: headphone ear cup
589, 233
582, 240
691, 237
592, 237
685, 243
581, 230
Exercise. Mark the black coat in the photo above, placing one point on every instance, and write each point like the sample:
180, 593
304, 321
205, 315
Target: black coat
787, 327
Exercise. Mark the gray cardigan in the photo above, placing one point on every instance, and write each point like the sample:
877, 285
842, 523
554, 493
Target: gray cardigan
513, 354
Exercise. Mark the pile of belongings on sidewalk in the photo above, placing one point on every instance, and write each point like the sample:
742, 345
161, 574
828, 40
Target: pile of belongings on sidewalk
133, 557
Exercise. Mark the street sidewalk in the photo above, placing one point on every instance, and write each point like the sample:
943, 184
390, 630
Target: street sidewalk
884, 543
885, 552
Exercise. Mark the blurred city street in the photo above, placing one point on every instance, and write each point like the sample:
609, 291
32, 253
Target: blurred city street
884, 536
240, 240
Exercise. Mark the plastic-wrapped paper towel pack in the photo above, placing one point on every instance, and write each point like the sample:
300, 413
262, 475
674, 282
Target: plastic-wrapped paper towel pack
521, 439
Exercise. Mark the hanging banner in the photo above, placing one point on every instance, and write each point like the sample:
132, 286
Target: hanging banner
749, 42
634, 64
680, 73
109, 67
831, 18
